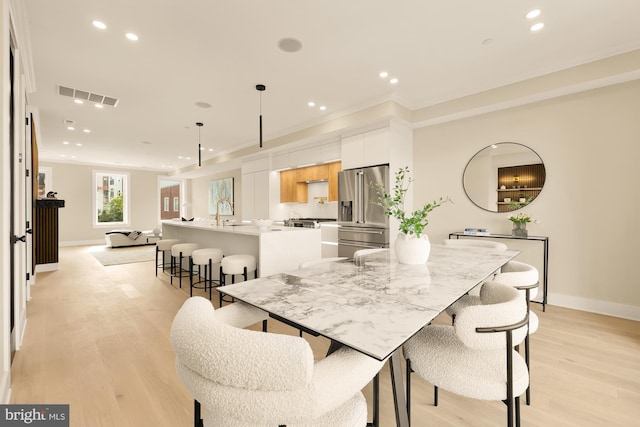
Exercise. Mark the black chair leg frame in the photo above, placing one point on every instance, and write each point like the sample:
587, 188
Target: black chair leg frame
208, 277
177, 270
233, 278
197, 417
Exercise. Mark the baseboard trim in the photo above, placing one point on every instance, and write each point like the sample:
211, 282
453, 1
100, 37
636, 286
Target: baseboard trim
4, 388
608, 308
83, 242
41, 268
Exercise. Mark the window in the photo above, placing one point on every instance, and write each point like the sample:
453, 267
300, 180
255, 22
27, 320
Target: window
170, 196
111, 198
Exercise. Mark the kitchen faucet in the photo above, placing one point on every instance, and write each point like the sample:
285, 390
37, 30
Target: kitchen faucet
221, 200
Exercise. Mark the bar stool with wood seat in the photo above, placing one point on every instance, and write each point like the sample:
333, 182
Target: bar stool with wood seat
206, 258
179, 253
234, 265
163, 246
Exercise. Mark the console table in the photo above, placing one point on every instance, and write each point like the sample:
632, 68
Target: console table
545, 243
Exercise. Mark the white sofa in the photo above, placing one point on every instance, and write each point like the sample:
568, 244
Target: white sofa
121, 238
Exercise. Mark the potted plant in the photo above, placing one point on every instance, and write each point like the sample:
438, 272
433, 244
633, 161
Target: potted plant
412, 245
520, 224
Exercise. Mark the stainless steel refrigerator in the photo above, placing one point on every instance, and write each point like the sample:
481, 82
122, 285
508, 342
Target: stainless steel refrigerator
363, 224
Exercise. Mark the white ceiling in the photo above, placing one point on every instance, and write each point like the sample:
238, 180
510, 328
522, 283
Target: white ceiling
217, 51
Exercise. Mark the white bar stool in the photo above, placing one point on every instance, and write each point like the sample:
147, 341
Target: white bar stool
204, 258
164, 246
178, 253
237, 264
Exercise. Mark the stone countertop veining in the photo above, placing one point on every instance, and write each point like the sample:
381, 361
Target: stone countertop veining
376, 306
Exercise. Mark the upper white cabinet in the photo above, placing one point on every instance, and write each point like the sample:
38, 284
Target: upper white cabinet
366, 149
310, 155
392, 144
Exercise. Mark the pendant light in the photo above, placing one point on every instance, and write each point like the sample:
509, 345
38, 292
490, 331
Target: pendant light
199, 145
261, 88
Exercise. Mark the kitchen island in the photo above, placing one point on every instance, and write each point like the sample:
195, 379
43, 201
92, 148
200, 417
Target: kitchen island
277, 250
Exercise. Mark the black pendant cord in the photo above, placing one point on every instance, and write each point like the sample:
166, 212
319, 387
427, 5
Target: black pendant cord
260, 130
261, 88
199, 144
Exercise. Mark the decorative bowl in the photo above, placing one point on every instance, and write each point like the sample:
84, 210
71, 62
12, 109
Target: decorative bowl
262, 224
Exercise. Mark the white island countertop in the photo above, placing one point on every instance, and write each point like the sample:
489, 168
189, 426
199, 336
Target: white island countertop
276, 250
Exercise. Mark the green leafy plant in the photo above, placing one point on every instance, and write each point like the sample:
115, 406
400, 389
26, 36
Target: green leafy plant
521, 218
393, 205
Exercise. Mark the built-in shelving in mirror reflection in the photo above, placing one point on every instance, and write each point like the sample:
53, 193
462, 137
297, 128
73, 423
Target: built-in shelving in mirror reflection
504, 177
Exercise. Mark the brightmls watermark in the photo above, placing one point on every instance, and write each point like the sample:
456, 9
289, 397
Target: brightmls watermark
34, 415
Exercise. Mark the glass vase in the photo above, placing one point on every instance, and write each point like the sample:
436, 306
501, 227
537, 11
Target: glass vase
519, 229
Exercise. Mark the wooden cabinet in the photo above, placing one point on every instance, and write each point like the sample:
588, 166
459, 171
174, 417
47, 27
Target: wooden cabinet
292, 191
334, 168
313, 173
294, 182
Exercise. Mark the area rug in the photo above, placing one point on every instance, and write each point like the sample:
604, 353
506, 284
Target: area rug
114, 256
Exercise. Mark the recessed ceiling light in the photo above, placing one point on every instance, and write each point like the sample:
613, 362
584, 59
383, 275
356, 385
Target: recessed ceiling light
537, 27
188, 158
98, 106
180, 157
201, 148
73, 157
494, 146
322, 107
78, 101
78, 145
86, 131
99, 24
71, 128
311, 104
63, 155
393, 80
65, 142
289, 45
534, 13
210, 149
131, 36
383, 75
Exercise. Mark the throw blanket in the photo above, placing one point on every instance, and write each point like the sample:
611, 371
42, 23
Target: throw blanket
133, 235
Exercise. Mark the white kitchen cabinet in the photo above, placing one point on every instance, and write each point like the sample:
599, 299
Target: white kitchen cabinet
330, 152
255, 188
366, 149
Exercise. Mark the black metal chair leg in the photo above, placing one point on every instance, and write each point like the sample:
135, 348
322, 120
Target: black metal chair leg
435, 395
526, 358
517, 411
157, 261
191, 276
408, 393
197, 418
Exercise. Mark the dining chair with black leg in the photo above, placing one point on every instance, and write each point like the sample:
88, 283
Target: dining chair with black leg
475, 357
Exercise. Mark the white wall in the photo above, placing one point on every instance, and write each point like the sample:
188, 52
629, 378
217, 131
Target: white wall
74, 184
589, 207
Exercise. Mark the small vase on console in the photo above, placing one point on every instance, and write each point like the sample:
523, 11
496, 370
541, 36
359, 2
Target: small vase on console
412, 250
519, 229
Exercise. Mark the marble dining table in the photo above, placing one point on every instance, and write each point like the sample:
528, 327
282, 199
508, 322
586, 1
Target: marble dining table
372, 303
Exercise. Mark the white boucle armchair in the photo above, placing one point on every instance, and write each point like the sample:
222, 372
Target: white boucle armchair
249, 378
475, 358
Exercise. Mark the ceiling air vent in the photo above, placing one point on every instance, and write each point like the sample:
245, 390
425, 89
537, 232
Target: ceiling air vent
87, 96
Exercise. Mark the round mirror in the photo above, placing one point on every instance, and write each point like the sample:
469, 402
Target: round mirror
504, 177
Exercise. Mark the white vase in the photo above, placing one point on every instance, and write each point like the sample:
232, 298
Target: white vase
411, 249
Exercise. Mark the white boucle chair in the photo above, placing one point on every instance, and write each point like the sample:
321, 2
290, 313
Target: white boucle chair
472, 297
475, 357
248, 378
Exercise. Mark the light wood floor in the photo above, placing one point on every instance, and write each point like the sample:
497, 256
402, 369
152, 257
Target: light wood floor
97, 338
